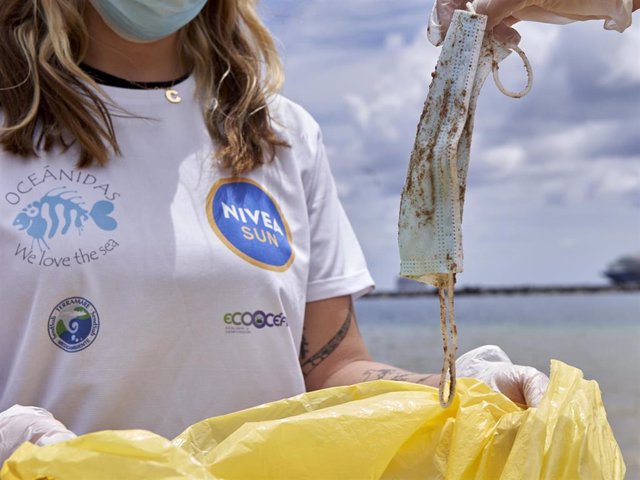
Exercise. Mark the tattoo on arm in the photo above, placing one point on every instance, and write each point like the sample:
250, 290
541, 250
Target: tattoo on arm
316, 359
393, 374
304, 348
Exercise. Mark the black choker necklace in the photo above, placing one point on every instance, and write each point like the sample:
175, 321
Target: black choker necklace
104, 78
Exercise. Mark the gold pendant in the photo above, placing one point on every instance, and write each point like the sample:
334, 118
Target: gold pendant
172, 96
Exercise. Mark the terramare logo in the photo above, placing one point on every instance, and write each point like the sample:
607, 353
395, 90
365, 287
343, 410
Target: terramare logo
248, 220
73, 324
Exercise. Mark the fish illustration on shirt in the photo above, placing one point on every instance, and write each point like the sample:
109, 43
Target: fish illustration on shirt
56, 212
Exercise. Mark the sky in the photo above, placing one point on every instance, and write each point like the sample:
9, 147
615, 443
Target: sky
553, 190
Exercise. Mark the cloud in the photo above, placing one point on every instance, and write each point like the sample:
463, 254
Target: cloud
362, 68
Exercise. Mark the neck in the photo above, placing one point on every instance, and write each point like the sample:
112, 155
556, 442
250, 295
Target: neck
157, 61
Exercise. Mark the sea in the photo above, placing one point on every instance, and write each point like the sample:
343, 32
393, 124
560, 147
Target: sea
598, 333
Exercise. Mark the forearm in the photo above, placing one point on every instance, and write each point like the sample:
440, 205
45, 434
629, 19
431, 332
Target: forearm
368, 370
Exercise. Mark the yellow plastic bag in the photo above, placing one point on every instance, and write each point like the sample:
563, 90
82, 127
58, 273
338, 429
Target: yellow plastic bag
372, 430
125, 454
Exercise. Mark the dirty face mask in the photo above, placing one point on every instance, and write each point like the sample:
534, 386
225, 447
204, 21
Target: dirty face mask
147, 20
429, 227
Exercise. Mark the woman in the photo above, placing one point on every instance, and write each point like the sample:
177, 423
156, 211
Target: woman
172, 241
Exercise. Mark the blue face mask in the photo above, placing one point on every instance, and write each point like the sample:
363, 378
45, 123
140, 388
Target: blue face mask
147, 20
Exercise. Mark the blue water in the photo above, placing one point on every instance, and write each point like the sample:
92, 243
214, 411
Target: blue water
598, 333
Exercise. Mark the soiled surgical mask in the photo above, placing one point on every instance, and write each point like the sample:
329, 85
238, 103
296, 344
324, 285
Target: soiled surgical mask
429, 227
147, 20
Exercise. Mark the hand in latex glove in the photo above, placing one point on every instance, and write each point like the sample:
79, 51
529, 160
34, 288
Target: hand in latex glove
523, 385
442, 13
21, 424
504, 13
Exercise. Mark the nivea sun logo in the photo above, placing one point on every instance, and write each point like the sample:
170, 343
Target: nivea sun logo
250, 223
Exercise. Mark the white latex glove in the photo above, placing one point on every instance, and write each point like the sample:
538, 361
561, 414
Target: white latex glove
21, 424
504, 13
523, 385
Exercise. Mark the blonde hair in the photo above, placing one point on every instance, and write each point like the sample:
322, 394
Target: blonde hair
48, 101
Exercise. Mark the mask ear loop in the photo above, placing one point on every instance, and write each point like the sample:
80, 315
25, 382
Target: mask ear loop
471, 7
527, 66
449, 340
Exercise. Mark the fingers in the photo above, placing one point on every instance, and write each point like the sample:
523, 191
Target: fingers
498, 10
510, 21
508, 382
522, 385
485, 353
32, 423
56, 436
491, 365
534, 386
506, 35
445, 9
440, 19
20, 424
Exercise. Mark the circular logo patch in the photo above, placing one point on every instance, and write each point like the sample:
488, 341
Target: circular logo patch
74, 324
248, 220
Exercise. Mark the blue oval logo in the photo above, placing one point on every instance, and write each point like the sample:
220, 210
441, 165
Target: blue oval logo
249, 221
73, 324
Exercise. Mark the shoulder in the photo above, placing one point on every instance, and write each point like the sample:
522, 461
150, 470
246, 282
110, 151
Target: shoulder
293, 122
305, 153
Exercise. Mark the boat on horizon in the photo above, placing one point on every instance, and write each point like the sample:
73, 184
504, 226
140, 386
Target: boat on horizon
625, 270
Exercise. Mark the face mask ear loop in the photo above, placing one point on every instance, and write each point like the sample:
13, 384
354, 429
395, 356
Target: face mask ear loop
527, 66
453, 332
449, 340
446, 363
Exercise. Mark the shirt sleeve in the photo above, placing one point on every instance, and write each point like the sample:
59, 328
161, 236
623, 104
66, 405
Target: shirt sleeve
336, 263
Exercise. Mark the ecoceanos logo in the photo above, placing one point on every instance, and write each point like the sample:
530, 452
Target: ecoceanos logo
248, 220
244, 322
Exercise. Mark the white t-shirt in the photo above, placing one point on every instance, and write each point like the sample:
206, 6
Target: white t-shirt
158, 291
